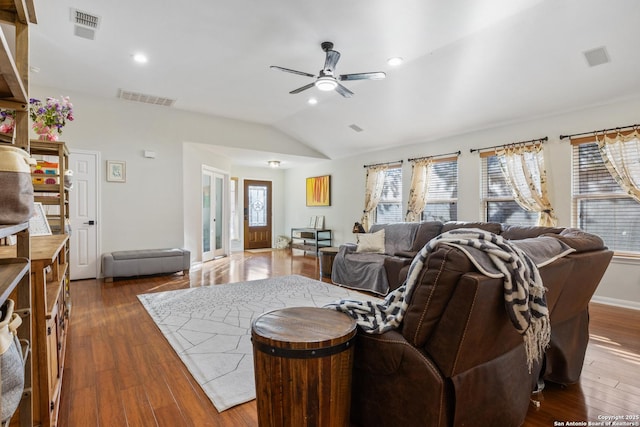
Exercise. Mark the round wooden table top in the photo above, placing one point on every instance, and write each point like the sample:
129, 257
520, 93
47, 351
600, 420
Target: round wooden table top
303, 328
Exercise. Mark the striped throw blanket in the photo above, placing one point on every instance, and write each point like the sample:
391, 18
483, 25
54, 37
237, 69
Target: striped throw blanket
524, 297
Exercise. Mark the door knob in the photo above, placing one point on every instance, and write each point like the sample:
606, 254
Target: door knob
91, 222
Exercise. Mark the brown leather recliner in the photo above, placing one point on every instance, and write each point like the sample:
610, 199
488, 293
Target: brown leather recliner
457, 359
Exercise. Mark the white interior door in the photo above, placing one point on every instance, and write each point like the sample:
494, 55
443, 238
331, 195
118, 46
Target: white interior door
214, 231
83, 215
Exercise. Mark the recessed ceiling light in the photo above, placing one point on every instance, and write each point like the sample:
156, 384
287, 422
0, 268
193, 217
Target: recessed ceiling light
312, 101
274, 163
395, 61
140, 58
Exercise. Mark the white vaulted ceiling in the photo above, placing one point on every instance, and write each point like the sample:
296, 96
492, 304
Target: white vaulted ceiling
469, 64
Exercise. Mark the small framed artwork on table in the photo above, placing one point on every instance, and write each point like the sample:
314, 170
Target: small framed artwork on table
116, 171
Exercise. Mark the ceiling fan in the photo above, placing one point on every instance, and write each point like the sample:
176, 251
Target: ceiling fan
327, 80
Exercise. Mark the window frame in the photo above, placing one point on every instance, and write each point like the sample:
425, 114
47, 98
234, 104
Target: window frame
577, 197
484, 193
392, 166
433, 200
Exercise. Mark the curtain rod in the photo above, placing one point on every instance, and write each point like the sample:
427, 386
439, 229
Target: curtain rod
437, 155
598, 131
386, 163
542, 140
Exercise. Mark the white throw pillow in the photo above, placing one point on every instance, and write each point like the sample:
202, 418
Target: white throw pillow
371, 242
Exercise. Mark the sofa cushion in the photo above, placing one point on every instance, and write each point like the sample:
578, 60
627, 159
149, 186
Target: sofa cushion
399, 236
580, 240
517, 232
492, 227
426, 231
371, 242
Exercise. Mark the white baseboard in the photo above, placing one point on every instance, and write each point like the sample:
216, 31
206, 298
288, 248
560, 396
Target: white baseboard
617, 302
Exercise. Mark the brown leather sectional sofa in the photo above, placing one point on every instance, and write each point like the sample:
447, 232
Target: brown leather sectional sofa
457, 360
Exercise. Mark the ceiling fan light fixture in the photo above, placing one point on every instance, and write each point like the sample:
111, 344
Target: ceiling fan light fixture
326, 84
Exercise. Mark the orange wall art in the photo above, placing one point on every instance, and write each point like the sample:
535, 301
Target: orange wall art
319, 191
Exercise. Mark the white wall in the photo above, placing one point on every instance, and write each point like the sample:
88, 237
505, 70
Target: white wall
621, 283
159, 205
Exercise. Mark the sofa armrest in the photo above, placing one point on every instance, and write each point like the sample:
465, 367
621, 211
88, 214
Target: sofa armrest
395, 384
347, 248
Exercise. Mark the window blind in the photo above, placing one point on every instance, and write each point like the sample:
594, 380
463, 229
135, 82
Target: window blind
389, 208
442, 194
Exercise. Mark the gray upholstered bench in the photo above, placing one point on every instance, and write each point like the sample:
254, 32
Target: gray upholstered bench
145, 262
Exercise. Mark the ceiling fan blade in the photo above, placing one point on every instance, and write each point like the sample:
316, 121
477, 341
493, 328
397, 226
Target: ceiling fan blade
331, 60
300, 89
344, 91
379, 75
287, 70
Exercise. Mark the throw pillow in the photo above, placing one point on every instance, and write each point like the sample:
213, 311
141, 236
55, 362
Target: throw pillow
371, 242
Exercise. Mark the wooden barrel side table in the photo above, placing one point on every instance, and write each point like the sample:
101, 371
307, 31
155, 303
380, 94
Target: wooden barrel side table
326, 260
303, 358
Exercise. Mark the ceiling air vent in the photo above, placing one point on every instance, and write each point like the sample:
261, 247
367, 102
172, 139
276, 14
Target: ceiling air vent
597, 56
85, 24
145, 99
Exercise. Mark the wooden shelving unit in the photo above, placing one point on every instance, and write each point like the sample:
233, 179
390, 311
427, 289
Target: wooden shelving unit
15, 283
14, 69
15, 277
53, 194
51, 310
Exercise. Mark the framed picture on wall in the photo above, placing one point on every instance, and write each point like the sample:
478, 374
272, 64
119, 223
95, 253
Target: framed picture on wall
319, 191
116, 171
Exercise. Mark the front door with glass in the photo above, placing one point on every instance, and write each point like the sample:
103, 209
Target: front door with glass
257, 214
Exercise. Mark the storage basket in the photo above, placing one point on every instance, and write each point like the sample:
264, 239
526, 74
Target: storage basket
11, 361
16, 189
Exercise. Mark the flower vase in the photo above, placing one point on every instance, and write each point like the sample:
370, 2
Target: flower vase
47, 134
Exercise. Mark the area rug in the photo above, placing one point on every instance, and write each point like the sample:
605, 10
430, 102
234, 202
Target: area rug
209, 327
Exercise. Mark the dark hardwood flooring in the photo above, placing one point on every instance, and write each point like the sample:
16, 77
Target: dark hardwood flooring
120, 371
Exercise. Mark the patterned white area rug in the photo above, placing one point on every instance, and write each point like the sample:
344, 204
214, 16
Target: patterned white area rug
210, 327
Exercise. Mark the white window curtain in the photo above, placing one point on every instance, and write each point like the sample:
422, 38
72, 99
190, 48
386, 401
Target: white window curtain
524, 171
420, 177
621, 155
373, 191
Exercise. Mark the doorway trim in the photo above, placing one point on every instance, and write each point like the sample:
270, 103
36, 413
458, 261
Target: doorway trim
224, 251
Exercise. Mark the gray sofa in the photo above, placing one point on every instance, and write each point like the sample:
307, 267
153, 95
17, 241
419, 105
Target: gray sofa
145, 262
378, 271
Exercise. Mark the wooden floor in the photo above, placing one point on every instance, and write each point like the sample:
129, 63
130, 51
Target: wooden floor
120, 371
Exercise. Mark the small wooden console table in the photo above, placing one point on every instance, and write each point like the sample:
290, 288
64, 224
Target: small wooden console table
310, 239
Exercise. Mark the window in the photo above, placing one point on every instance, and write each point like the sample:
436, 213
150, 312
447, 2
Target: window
498, 202
389, 208
442, 194
600, 206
